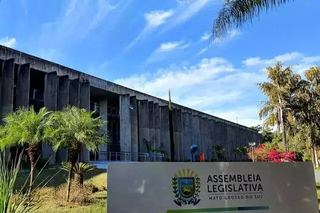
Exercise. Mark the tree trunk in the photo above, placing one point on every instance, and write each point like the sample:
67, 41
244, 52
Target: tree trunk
284, 139
75, 149
79, 179
31, 153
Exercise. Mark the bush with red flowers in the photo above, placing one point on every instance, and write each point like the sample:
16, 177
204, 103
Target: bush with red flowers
268, 152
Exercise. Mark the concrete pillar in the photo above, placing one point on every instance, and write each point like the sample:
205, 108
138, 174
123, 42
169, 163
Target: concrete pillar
202, 134
179, 128
195, 128
125, 125
103, 109
152, 135
175, 133
7, 84
207, 139
156, 112
74, 93
63, 92
85, 95
212, 138
23, 86
62, 102
164, 129
50, 102
143, 109
134, 127
85, 104
186, 139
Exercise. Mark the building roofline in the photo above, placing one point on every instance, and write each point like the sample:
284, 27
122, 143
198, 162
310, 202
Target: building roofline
49, 66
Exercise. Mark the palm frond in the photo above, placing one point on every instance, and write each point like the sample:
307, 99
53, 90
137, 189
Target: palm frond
235, 13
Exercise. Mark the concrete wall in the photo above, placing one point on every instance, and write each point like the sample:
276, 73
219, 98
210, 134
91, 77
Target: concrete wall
47, 66
147, 118
23, 86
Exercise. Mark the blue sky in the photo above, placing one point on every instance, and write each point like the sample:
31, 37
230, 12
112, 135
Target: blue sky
153, 45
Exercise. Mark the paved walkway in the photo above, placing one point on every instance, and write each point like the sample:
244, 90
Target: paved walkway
317, 174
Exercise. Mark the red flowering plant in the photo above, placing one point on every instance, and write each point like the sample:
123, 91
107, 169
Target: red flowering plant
268, 152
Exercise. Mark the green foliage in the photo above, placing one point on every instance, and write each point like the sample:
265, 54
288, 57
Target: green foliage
235, 13
20, 202
79, 168
267, 134
218, 151
74, 125
23, 127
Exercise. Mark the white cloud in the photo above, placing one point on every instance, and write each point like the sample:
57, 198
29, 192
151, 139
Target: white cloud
157, 17
206, 36
203, 50
165, 49
153, 20
8, 42
213, 85
169, 46
283, 58
185, 12
209, 84
76, 20
245, 115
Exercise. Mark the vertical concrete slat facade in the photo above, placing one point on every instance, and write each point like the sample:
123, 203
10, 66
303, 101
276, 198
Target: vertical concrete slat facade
195, 128
175, 133
50, 102
62, 102
7, 85
85, 95
212, 138
157, 122
152, 136
164, 129
134, 127
74, 93
143, 125
125, 124
186, 138
85, 104
103, 108
63, 92
23, 86
179, 132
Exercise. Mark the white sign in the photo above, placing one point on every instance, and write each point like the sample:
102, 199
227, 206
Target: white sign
211, 187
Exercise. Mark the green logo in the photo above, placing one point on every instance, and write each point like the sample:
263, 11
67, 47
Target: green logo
186, 186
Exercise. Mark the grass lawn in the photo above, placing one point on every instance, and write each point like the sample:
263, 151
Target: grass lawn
98, 178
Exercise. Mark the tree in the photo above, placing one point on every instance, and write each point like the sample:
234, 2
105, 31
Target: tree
79, 170
25, 127
75, 129
267, 134
305, 107
282, 84
235, 13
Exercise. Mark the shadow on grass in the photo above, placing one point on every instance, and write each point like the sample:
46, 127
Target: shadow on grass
60, 177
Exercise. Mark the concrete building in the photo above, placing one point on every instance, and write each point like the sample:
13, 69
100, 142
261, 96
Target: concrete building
133, 118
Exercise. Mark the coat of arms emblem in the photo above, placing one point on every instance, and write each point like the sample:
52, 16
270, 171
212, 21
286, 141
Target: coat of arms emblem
186, 186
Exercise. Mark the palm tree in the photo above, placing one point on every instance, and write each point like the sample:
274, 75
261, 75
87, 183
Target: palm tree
79, 170
25, 127
305, 108
235, 13
282, 84
75, 129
